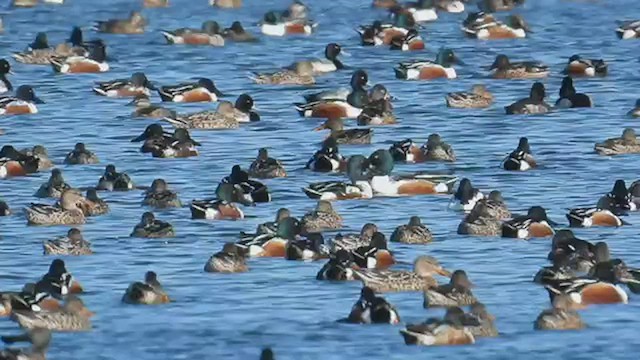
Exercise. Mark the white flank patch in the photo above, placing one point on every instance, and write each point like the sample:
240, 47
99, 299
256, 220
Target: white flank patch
274, 30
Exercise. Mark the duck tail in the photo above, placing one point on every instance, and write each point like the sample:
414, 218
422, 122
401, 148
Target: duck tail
176, 122
169, 36
164, 96
312, 194
401, 72
57, 63
98, 90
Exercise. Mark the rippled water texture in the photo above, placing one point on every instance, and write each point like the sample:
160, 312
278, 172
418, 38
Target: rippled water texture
279, 303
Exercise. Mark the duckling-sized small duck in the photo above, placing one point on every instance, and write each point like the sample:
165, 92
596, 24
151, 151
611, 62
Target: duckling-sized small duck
144, 108
93, 204
412, 233
54, 187
5, 84
437, 150
70, 211
39, 339
159, 196
80, 156
534, 104
23, 102
265, 167
328, 158
135, 24
600, 215
237, 33
466, 196
150, 227
625, 144
338, 268
136, 85
520, 159
253, 191
72, 244
442, 67
310, 249
578, 66
231, 259
569, 98
379, 110
479, 223
424, 268
112, 180
534, 224
629, 29
221, 207
226, 4
349, 136
623, 199
275, 24
329, 64
437, 332
357, 187
208, 34
456, 293
302, 74
351, 242
323, 217
478, 98
635, 112
94, 62
149, 292
514, 28
411, 41
561, 316
372, 309
73, 316
204, 90
4, 208
502, 68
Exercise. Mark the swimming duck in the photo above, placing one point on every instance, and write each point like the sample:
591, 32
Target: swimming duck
502, 68
384, 4
329, 64
406, 151
275, 24
357, 187
328, 105
32, 297
209, 34
54, 187
498, 5
4, 209
375, 255
411, 41
577, 66
520, 159
144, 108
379, 110
155, 3
237, 33
265, 167
567, 251
69, 212
227, 4
514, 28
424, 267
421, 10
230, 259
39, 152
635, 112
448, 331
450, 6
561, 316
150, 227
221, 207
159, 196
324, 217
478, 223
136, 85
24, 102
5, 84
495, 207
437, 150
338, 268
427, 70
39, 52
135, 24
155, 139
456, 293
252, 191
94, 62
534, 104
14, 163
327, 159
311, 248
633, 193
58, 281
478, 98
352, 242
272, 245
80, 156
271, 227
534, 224
412, 233
628, 29
149, 292
179, 145
465, 197
486, 322
349, 136
592, 291
94, 205
626, 144
297, 10
73, 316
112, 180
301, 74
372, 309
600, 215
72, 244
39, 339
202, 90
569, 98
226, 116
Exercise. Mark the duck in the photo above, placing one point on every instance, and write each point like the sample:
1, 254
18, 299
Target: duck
226, 4
376, 255
450, 6
503, 68
600, 215
54, 187
379, 110
39, 152
159, 196
327, 159
80, 156
587, 291
437, 150
301, 74
265, 167
179, 145
494, 206
231, 259
384, 4
329, 64
58, 281
4, 208
358, 186
338, 268
437, 332
94, 62
567, 251
628, 29
136, 85
221, 207
94, 205
465, 197
323, 217
253, 191
208, 34
635, 112
478, 223
427, 70
155, 3
149, 292
342, 136
39, 339
372, 309
411, 41
477, 98
237, 33
625, 144
270, 227
486, 322
40, 53
203, 90
112, 180
327, 106
456, 293
534, 104
72, 244
578, 66
32, 297
13, 163
155, 139
569, 98
69, 212
311, 248
5, 84
352, 242
514, 28
406, 151
150, 227
521, 158
534, 224
144, 108
275, 24
272, 245
561, 316
621, 198
135, 24
24, 102
412, 233
226, 116
424, 268
73, 316
422, 10
498, 5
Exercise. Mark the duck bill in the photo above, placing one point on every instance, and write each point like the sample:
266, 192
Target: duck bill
37, 100
444, 272
218, 92
552, 223
141, 137
320, 128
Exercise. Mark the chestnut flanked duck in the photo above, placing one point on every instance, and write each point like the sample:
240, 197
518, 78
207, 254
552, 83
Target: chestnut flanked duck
13, 163
221, 207
534, 104
442, 67
203, 90
502, 68
569, 98
514, 28
71, 244
149, 292
329, 64
406, 151
80, 156
372, 309
625, 144
412, 233
410, 42
579, 66
112, 180
376, 255
136, 85
150, 227
322, 218
94, 62
237, 33
479, 97
349, 136
466, 196
628, 29
160, 196
600, 215
311, 248
208, 34
231, 259
456, 293
328, 105
521, 158
265, 167
272, 245
54, 187
23, 102
424, 268
358, 186
534, 224
275, 24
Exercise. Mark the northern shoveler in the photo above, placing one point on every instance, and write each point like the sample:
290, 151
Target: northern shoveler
498, 5
514, 28
5, 84
478, 98
534, 104
448, 331
520, 159
534, 224
409, 42
231, 259
622, 199
54, 187
502, 68
635, 112
328, 158
265, 167
311, 248
577, 66
15, 163
570, 252
569, 98
625, 144
338, 268
342, 136
59, 282
136, 85
39, 152
272, 245
252, 191
358, 186
160, 196
220, 208
628, 29
478, 223
275, 24
634, 194
179, 145
592, 291
144, 108
376, 255
600, 215
424, 268
209, 34
112, 180
4, 208
155, 3
150, 227
228, 4
237, 33
561, 316
93, 204
94, 62
406, 151
70, 211
202, 90
329, 64
39, 52
155, 139
80, 156
412, 233
352, 242
301, 74
466, 196
149, 292
323, 217
379, 110
442, 67
32, 297
485, 326
456, 293
39, 339
328, 105
422, 10
372, 309
72, 244
135, 24
24, 102
73, 316
437, 150
269, 227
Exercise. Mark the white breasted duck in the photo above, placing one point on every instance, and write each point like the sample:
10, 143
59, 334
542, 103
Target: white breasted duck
465, 197
569, 98
328, 158
578, 66
600, 215
534, 224
534, 104
324, 106
442, 67
357, 188
24, 102
202, 90
520, 159
372, 309
136, 85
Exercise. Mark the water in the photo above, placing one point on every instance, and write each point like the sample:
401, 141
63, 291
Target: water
279, 303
